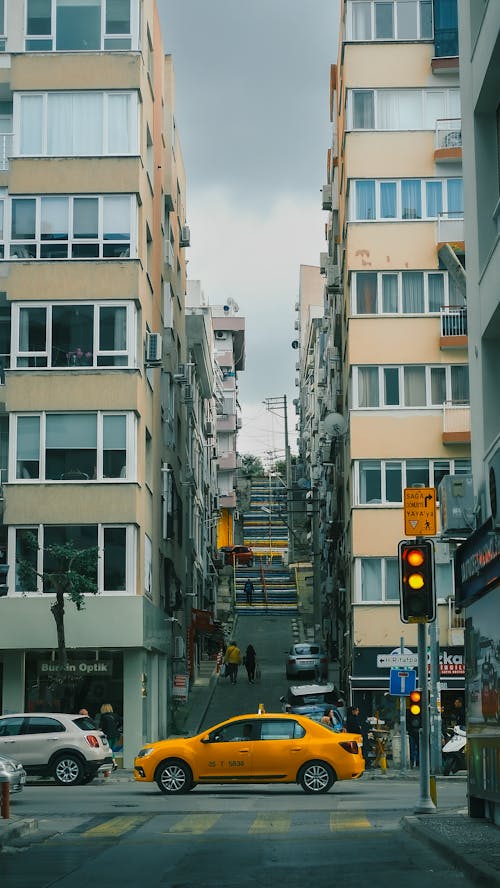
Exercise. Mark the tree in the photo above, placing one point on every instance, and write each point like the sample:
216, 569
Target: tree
252, 465
67, 572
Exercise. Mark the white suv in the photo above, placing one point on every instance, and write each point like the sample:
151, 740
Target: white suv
68, 748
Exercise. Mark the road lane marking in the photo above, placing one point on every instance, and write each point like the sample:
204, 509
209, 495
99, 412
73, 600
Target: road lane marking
348, 820
271, 823
195, 824
116, 826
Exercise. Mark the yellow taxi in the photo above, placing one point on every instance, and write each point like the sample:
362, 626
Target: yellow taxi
266, 748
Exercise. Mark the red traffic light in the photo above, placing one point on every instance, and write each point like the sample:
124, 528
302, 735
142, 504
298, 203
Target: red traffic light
416, 581
415, 702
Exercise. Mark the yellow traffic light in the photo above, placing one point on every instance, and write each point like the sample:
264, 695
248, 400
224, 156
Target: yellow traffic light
416, 581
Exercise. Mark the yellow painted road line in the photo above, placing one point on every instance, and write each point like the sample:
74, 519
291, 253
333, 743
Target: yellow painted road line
271, 823
194, 824
348, 820
115, 826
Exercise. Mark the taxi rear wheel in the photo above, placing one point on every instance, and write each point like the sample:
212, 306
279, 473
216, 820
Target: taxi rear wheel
174, 776
316, 777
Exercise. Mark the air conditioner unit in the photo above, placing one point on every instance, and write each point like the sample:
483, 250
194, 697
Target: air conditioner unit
179, 647
220, 334
333, 278
187, 393
326, 192
456, 504
185, 238
180, 378
153, 348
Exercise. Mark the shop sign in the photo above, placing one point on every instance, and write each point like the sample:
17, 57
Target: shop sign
180, 687
477, 564
80, 667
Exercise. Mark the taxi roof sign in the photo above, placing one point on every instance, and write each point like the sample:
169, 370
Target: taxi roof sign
420, 511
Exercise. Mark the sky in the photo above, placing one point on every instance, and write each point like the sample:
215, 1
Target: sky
252, 111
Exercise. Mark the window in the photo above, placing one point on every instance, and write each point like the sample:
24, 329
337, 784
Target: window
99, 227
403, 292
116, 545
381, 482
389, 20
83, 124
406, 199
411, 386
401, 109
74, 447
72, 336
85, 26
378, 579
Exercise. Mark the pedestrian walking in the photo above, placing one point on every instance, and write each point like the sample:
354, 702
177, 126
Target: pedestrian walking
353, 722
232, 659
250, 661
248, 588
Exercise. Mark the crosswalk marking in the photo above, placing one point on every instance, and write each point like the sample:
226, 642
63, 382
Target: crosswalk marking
340, 820
271, 823
195, 824
116, 826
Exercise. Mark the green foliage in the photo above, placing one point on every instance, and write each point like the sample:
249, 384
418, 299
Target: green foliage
252, 465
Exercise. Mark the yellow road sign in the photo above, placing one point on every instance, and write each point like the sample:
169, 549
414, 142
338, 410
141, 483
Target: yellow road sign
420, 511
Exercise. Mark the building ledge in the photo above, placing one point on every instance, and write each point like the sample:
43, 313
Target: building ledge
456, 437
453, 341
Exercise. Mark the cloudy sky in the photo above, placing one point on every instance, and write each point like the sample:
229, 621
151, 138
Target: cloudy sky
252, 109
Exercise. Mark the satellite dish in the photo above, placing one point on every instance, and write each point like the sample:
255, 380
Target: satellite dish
233, 304
335, 424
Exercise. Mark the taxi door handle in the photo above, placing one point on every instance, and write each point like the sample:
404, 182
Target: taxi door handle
245, 749
295, 748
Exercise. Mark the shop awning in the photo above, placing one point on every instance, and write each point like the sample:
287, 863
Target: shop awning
203, 622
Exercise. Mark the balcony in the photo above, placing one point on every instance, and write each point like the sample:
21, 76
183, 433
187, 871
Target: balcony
448, 141
227, 461
450, 230
456, 423
453, 327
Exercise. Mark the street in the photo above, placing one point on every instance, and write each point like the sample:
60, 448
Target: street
119, 833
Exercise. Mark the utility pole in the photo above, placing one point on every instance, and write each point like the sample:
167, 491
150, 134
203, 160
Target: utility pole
273, 405
316, 565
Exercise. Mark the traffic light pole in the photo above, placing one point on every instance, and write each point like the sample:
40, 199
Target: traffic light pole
425, 804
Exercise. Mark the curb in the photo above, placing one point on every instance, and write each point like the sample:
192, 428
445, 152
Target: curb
10, 830
478, 871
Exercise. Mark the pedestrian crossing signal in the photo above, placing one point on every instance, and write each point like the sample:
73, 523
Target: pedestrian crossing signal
416, 581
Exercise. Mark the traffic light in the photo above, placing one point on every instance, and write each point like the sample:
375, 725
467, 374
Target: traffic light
416, 581
414, 711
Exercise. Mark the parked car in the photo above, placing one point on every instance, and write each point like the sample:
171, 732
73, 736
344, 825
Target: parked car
238, 555
307, 658
12, 771
265, 748
314, 700
68, 748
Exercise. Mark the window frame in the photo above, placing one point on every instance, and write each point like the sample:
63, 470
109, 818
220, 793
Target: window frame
372, 38
400, 215
401, 405
358, 579
108, 41
449, 94
380, 275
100, 415
457, 466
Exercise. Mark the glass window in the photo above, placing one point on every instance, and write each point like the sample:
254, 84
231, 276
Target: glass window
85, 218
38, 724
114, 446
417, 473
407, 19
435, 283
414, 386
370, 481
28, 447
371, 579
413, 292
426, 19
23, 218
384, 25
32, 330
72, 335
368, 387
115, 551
391, 386
11, 726
366, 292
26, 551
411, 199
361, 20
434, 198
393, 482
71, 446
459, 384
365, 199
389, 293
455, 197
31, 125
363, 109
388, 200
78, 25
81, 537
438, 385
462, 467
117, 16
441, 468
39, 18
391, 579
112, 336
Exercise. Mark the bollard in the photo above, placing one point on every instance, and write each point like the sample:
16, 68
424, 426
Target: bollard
5, 797
433, 789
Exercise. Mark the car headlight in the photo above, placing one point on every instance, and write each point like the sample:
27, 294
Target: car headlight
8, 766
146, 751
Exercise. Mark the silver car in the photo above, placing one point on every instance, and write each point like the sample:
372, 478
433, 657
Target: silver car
307, 658
12, 772
68, 748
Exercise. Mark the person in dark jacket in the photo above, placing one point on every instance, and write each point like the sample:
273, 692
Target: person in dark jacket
250, 660
110, 724
353, 721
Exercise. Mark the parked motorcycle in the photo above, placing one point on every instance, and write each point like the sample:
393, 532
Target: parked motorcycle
454, 758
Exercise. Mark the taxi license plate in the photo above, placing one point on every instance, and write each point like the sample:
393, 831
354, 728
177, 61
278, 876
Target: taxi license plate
306, 662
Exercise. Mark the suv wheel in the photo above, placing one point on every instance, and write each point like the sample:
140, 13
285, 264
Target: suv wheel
68, 770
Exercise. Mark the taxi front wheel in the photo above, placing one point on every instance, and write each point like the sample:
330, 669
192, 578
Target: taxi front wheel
316, 777
174, 776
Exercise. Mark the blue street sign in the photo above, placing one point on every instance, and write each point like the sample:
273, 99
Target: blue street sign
402, 681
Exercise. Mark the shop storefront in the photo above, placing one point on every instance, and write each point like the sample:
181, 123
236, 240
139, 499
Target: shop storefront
91, 679
477, 582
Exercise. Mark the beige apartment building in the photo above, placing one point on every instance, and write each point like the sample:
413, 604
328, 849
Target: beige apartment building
94, 429
396, 356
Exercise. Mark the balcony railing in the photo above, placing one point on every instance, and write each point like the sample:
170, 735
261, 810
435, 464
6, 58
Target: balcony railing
448, 133
454, 321
456, 422
5, 149
450, 229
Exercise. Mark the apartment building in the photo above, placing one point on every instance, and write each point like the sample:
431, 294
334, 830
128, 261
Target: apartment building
98, 436
396, 357
477, 560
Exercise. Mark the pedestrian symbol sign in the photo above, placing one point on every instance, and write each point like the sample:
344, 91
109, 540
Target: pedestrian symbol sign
420, 511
